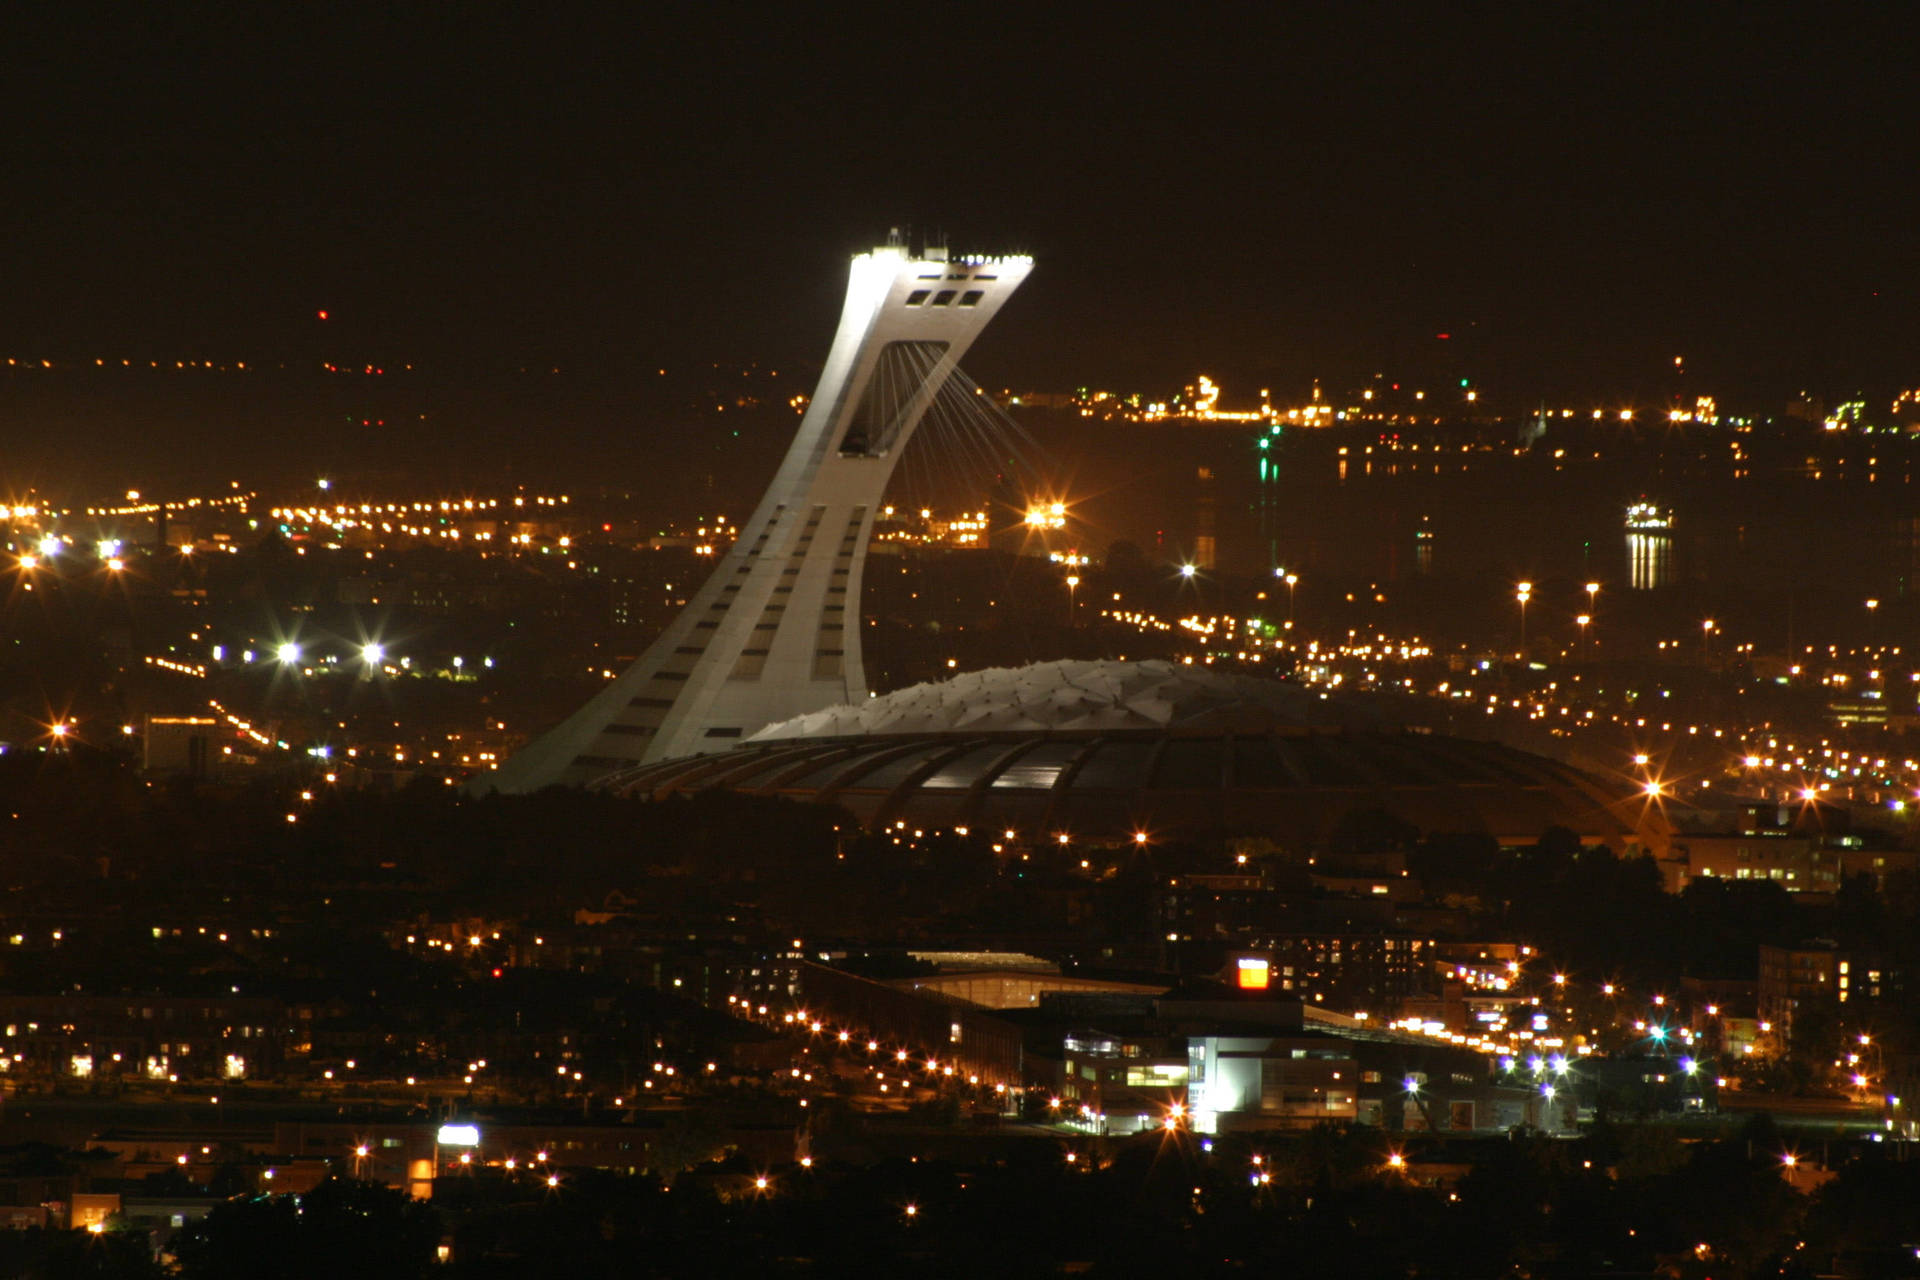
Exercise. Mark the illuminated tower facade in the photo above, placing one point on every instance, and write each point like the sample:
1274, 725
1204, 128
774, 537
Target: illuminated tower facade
775, 632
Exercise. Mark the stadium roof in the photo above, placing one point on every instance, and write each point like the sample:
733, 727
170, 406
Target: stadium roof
1106, 749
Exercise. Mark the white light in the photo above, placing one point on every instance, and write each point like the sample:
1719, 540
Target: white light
373, 653
288, 652
51, 546
459, 1135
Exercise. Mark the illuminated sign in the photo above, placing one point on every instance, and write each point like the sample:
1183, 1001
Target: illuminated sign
1252, 975
459, 1135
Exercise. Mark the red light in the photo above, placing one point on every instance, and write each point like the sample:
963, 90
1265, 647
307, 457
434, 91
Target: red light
321, 314
496, 973
1443, 336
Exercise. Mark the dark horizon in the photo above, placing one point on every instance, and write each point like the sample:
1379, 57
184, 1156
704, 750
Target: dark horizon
1575, 199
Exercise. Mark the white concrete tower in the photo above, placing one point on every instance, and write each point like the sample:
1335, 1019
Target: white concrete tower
775, 632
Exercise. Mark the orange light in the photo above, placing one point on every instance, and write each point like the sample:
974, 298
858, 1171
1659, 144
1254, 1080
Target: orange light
1251, 974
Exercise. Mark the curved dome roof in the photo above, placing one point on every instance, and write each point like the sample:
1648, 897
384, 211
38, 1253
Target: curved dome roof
1103, 749
1073, 696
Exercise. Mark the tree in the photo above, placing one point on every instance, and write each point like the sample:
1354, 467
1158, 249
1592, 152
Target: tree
340, 1228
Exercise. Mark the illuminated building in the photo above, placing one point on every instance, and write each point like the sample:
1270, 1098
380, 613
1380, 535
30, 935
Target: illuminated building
184, 744
1362, 970
774, 632
1793, 978
1807, 848
1285, 1065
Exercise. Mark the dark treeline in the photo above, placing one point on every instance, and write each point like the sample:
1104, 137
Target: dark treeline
1325, 1202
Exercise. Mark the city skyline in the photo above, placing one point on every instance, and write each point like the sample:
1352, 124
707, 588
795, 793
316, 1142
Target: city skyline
1373, 732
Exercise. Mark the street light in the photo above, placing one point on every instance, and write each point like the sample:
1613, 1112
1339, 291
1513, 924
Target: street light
1706, 638
1293, 580
1523, 592
1073, 580
1581, 621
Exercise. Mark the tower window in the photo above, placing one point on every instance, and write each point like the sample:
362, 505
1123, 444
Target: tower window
971, 298
917, 297
943, 297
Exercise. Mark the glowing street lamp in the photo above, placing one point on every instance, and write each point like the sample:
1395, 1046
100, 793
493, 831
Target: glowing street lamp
1523, 592
1293, 580
288, 653
373, 654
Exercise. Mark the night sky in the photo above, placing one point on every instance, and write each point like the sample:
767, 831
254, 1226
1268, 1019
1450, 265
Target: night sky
1576, 194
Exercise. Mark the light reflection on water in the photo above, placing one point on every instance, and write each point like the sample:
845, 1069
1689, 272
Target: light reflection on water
1649, 561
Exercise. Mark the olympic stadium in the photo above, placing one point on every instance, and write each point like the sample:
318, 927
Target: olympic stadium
1105, 751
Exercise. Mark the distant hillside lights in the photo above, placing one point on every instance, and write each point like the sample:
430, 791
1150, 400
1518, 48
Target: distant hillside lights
924, 528
392, 517
1384, 402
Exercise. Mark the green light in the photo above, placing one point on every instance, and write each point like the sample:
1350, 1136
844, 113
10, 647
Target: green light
1263, 442
1463, 382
